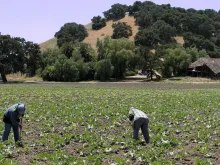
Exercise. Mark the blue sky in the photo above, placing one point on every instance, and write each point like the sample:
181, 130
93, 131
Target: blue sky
39, 20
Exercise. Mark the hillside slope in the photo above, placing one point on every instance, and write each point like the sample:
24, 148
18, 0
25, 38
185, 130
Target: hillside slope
93, 35
51, 43
108, 31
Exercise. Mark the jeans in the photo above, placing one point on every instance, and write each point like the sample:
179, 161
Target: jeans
143, 124
7, 132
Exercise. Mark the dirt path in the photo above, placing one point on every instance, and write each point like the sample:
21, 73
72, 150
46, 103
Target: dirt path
129, 84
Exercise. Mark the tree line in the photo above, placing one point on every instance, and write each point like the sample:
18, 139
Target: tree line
18, 55
153, 48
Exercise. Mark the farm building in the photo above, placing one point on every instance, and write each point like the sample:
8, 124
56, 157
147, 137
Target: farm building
205, 67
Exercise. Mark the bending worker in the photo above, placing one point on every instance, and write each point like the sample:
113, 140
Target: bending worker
12, 118
139, 120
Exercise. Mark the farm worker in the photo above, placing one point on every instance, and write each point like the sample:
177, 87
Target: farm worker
12, 118
139, 120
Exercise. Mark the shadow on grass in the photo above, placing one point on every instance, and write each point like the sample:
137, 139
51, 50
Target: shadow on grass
11, 82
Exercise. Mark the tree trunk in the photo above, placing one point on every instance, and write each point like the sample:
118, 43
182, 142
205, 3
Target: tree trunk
4, 79
151, 75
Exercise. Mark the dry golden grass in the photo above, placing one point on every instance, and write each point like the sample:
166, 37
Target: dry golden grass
108, 31
51, 43
18, 77
179, 39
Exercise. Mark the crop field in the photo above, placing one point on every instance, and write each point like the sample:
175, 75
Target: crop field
88, 124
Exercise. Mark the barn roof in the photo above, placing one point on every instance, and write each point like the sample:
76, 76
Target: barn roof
212, 63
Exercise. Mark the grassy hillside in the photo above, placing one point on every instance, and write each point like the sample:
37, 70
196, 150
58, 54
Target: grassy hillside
51, 43
105, 31
108, 31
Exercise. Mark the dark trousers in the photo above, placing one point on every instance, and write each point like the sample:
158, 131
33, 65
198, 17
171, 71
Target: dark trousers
7, 132
143, 124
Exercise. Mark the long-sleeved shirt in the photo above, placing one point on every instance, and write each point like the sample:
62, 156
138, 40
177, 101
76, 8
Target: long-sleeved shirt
14, 112
137, 114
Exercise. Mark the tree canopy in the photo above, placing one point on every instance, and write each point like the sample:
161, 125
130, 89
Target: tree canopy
98, 23
117, 11
18, 55
71, 32
121, 30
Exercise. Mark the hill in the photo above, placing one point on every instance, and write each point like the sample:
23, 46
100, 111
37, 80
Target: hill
93, 35
108, 31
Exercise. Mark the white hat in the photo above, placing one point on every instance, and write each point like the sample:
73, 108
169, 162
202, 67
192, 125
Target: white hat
21, 108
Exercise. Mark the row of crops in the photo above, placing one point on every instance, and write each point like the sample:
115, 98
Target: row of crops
79, 124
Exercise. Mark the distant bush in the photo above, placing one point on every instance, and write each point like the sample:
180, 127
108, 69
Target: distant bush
103, 70
117, 11
130, 73
71, 32
121, 29
83, 70
49, 73
63, 70
98, 23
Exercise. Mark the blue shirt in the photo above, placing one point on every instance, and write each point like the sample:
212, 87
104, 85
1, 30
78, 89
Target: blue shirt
14, 112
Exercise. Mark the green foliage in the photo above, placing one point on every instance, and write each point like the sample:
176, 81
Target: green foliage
63, 69
48, 57
103, 69
83, 69
117, 11
203, 25
195, 54
18, 55
98, 23
120, 52
143, 19
206, 29
55, 66
79, 51
164, 31
67, 49
70, 32
103, 47
11, 56
176, 61
147, 14
86, 52
32, 58
159, 32
49, 73
148, 61
135, 7
130, 73
120, 61
218, 39
121, 30
147, 37
198, 41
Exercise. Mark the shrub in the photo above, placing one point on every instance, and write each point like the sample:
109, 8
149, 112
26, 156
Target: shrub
130, 73
63, 70
103, 70
83, 70
48, 73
